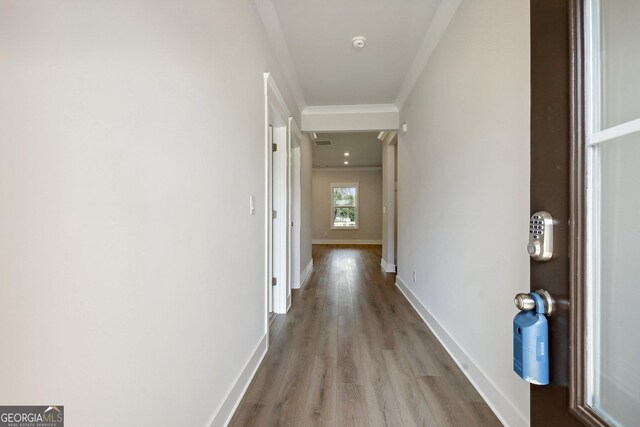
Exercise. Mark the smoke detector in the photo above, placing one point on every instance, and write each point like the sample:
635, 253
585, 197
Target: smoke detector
358, 42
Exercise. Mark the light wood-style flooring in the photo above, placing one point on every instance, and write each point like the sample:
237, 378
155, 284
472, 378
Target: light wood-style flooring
353, 352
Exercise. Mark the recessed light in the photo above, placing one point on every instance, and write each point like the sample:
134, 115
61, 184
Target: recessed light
346, 154
346, 163
358, 42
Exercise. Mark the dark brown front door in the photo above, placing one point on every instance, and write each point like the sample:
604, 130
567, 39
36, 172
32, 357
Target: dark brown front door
585, 149
552, 105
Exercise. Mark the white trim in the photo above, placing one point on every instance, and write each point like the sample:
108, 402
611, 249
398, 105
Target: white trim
275, 103
348, 168
345, 242
228, 407
351, 109
295, 137
273, 87
389, 268
593, 103
269, 17
390, 138
388, 205
615, 132
295, 134
267, 205
505, 410
436, 29
306, 274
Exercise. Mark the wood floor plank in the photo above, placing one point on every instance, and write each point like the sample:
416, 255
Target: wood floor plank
446, 406
381, 398
320, 402
352, 406
327, 336
414, 408
353, 352
484, 415
349, 362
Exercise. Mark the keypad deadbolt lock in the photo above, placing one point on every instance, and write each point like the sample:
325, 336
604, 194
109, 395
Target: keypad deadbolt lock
540, 246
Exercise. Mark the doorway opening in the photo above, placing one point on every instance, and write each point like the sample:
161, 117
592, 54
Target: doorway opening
354, 185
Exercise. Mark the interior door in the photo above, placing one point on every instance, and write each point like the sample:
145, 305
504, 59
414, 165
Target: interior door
273, 262
279, 219
585, 149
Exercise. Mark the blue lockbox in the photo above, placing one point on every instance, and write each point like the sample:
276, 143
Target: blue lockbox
531, 344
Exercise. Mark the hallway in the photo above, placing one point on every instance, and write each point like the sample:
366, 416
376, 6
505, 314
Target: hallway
352, 351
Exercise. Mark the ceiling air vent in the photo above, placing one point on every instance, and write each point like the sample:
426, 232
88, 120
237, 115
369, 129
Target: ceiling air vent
322, 143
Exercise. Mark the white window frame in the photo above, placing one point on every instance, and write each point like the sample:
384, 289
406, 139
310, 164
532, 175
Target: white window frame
596, 137
355, 185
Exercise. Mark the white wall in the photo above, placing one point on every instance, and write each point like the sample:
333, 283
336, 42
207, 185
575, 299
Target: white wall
306, 167
131, 136
464, 192
370, 205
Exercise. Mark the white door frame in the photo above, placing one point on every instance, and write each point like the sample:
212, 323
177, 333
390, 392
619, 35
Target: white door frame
276, 114
388, 261
295, 137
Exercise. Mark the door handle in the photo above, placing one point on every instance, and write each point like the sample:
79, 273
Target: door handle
525, 302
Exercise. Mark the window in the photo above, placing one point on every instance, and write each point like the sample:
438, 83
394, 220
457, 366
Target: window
344, 206
613, 231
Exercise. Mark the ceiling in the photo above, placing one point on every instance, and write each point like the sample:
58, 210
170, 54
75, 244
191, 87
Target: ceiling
317, 36
364, 148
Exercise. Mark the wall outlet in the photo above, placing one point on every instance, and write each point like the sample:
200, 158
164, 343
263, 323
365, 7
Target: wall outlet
325, 233
414, 276
252, 205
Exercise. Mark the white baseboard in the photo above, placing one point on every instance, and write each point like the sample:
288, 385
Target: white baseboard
345, 242
504, 409
389, 268
223, 415
306, 274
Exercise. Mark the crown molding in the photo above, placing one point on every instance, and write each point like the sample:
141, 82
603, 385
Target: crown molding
347, 169
271, 23
350, 109
446, 10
